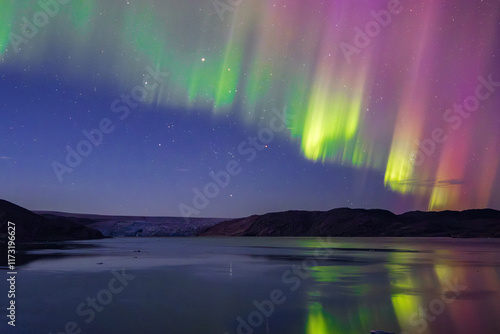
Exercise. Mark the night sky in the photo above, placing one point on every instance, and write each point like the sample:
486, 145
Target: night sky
127, 107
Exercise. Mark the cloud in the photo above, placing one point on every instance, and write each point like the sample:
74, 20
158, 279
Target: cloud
431, 182
450, 182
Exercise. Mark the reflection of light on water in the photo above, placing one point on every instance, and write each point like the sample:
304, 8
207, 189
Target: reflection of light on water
355, 320
326, 273
404, 306
347, 276
447, 276
443, 272
404, 302
318, 321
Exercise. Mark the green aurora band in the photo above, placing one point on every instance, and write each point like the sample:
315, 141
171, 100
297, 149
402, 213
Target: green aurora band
366, 111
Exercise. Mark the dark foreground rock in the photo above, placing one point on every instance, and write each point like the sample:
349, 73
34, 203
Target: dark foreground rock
31, 227
345, 222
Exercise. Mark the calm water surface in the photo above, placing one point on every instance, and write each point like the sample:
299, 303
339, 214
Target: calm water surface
260, 285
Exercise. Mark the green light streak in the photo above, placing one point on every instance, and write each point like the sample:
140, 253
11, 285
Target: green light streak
229, 76
6, 15
320, 322
81, 14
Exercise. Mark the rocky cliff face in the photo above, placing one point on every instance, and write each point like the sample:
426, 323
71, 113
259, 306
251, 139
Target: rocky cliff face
345, 222
32, 227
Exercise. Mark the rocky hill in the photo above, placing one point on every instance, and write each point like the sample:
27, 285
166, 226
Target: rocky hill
30, 226
345, 222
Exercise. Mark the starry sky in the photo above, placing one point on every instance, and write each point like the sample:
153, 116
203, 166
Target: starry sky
230, 108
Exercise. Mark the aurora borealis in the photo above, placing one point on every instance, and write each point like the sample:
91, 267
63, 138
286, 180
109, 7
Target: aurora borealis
387, 104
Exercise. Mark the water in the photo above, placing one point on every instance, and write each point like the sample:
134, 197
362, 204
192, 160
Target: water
260, 285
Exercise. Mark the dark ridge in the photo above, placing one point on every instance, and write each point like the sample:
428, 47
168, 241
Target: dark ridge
346, 222
30, 227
